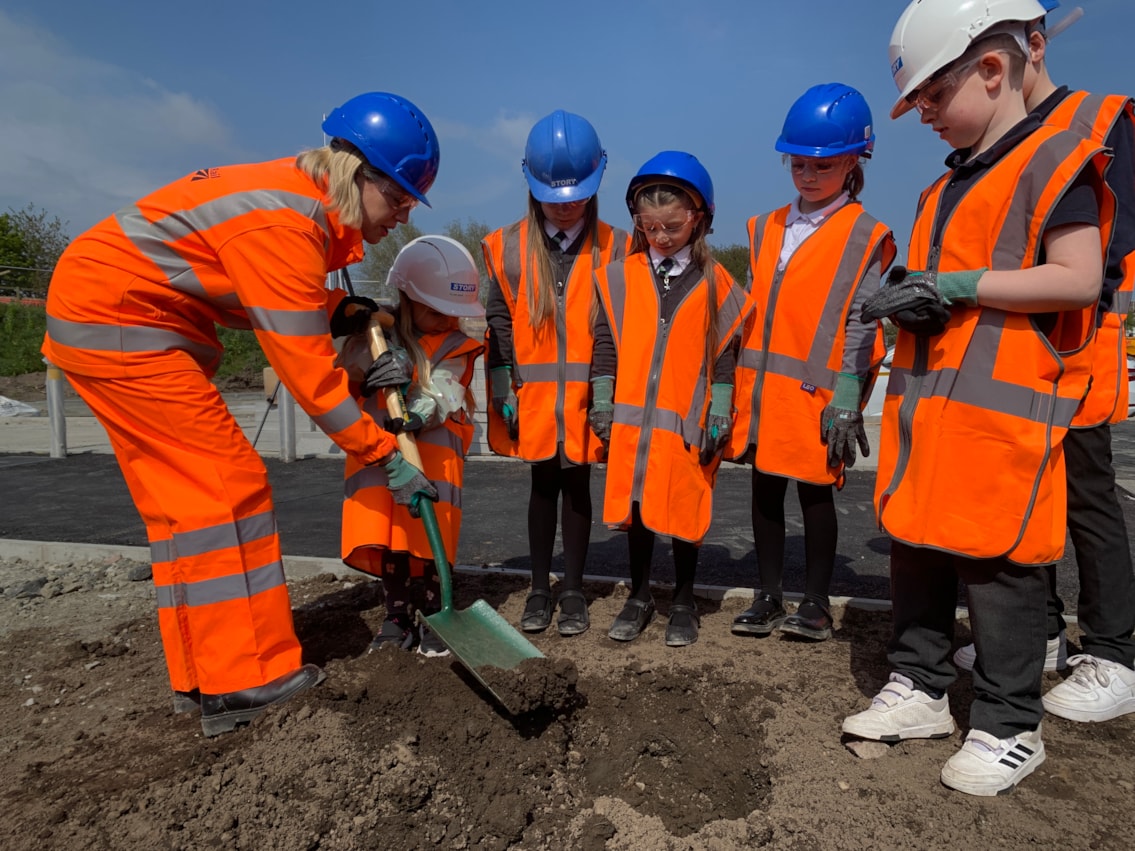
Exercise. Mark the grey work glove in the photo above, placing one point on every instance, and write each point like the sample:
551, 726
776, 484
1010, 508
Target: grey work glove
504, 399
352, 315
408, 484
911, 301
841, 423
601, 414
393, 368
718, 423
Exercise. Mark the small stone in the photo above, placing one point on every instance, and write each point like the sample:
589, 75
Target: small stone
140, 573
868, 750
844, 785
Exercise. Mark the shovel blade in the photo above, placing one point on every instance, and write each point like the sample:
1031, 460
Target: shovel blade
480, 639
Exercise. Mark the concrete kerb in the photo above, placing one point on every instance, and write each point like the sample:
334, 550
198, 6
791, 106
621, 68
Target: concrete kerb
305, 567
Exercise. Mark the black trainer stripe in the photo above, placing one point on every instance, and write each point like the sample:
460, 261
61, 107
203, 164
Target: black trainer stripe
1016, 756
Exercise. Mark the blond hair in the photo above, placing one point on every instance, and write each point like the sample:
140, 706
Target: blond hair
542, 288
660, 195
334, 167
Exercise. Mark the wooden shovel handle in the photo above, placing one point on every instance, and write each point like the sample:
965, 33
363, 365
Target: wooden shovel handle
395, 406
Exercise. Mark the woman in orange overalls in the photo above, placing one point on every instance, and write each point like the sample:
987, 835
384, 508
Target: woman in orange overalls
132, 312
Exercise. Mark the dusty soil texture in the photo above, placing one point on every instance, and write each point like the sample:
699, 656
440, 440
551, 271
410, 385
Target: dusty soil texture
731, 743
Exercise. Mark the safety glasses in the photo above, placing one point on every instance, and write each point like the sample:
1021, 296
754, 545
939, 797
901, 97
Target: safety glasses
396, 197
931, 95
802, 165
672, 226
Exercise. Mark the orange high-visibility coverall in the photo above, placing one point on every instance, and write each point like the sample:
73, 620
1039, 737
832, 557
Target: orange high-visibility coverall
1093, 117
970, 456
132, 309
793, 346
553, 363
662, 396
372, 522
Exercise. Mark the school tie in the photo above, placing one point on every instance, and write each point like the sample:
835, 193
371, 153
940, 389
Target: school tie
664, 271
559, 238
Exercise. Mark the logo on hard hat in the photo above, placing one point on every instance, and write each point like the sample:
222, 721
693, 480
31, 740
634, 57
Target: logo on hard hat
456, 287
570, 181
896, 66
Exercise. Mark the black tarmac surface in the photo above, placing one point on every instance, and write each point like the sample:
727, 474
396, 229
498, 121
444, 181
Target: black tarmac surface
83, 499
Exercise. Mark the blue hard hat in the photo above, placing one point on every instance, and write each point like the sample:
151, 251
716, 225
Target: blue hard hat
394, 136
1049, 5
676, 167
563, 160
826, 121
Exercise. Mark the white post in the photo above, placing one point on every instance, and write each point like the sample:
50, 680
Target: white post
287, 409
55, 414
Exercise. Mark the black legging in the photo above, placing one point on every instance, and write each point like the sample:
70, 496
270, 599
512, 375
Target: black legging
820, 534
640, 540
549, 480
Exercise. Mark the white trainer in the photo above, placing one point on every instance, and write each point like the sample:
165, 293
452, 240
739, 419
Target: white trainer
900, 711
1055, 654
1096, 690
989, 766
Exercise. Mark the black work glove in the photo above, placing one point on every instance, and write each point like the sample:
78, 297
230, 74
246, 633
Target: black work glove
911, 301
393, 368
407, 484
841, 429
601, 424
352, 315
412, 424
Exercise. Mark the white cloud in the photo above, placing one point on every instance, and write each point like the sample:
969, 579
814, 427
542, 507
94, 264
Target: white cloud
81, 137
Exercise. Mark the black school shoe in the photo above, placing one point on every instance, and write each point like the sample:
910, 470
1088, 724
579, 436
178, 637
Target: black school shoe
632, 620
765, 615
683, 627
810, 621
537, 611
223, 713
573, 619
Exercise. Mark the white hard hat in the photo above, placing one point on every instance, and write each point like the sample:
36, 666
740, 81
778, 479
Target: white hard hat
440, 273
931, 34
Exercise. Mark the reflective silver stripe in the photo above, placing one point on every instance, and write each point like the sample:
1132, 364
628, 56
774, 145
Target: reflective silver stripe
510, 247
1020, 215
127, 338
617, 292
550, 372
213, 538
375, 476
451, 343
441, 437
1121, 302
290, 323
975, 385
814, 371
342, 416
848, 274
222, 589
153, 238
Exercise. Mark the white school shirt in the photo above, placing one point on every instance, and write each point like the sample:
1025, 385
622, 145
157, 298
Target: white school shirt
799, 226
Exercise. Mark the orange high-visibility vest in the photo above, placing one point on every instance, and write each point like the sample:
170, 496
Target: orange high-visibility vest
372, 521
792, 346
970, 456
662, 396
552, 372
242, 246
1093, 117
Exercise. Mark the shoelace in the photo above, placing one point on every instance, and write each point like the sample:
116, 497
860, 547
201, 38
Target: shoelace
1088, 668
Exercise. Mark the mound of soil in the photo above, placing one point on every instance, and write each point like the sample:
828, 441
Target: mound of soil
730, 743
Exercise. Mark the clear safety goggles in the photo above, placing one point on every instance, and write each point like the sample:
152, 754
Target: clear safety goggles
673, 225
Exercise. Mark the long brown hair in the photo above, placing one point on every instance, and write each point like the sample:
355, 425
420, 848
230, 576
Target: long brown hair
660, 195
541, 277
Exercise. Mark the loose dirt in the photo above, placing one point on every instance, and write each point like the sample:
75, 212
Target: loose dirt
731, 743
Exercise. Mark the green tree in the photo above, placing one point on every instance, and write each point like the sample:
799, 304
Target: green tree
735, 258
370, 278
30, 244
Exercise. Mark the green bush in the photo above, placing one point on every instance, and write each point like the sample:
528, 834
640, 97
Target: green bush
243, 357
22, 327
